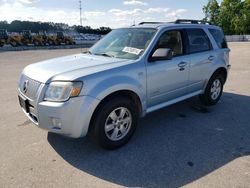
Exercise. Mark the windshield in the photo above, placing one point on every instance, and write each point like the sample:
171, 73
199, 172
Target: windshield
127, 43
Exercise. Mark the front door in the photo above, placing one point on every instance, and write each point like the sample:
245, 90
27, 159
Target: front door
168, 79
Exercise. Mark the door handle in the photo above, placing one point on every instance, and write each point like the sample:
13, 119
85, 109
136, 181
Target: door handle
182, 64
211, 58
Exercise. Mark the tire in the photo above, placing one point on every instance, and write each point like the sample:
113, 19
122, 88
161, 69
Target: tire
13, 44
112, 131
213, 91
67, 42
51, 43
36, 43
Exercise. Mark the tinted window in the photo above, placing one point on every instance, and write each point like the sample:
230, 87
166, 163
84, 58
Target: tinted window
198, 41
219, 38
173, 41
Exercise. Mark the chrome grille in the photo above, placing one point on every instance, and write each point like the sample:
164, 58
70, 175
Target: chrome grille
31, 88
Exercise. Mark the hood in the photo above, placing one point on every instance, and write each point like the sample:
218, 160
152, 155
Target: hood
87, 64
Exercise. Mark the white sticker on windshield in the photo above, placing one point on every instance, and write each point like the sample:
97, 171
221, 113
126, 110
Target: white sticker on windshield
131, 50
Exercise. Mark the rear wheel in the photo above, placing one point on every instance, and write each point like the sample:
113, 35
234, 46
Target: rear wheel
213, 90
115, 123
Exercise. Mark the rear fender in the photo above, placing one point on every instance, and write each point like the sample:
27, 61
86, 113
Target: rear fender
211, 72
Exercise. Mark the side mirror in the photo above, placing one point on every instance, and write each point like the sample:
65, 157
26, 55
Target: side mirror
161, 54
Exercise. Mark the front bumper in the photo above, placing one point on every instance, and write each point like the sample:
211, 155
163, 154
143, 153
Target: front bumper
70, 118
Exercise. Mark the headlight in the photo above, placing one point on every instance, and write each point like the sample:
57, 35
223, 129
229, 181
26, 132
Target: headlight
62, 91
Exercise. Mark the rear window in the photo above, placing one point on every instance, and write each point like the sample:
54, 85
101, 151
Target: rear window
219, 37
198, 41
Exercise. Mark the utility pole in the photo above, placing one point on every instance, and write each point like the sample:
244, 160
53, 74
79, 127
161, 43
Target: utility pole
80, 3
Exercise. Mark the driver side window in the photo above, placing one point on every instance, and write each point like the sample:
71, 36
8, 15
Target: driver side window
173, 41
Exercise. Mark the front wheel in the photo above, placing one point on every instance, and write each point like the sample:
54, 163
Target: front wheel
37, 43
51, 43
115, 123
13, 43
213, 90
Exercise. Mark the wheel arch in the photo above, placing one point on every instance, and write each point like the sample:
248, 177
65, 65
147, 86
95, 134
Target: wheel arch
222, 71
217, 70
120, 93
205, 97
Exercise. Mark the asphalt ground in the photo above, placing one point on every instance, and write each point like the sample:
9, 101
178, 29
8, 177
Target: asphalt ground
185, 144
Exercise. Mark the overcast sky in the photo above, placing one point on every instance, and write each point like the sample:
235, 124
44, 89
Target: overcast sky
96, 13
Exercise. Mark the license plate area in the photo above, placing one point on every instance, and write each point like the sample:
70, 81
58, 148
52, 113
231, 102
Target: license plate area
24, 103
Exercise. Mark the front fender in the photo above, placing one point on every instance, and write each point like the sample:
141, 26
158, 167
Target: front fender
118, 83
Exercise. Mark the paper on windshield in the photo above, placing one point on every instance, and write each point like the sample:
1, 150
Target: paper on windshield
132, 50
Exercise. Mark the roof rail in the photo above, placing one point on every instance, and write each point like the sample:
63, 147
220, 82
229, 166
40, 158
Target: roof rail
180, 21
185, 21
142, 23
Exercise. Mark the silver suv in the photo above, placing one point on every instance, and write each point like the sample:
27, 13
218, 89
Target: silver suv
126, 75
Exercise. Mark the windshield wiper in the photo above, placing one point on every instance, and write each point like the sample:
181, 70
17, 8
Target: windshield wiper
105, 54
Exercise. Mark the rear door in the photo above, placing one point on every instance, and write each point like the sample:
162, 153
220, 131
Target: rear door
201, 55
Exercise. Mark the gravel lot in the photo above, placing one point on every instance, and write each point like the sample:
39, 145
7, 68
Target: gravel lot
182, 145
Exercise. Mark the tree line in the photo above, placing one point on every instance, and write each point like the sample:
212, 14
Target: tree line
35, 27
233, 16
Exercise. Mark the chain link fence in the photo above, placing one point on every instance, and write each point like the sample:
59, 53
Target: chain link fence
238, 38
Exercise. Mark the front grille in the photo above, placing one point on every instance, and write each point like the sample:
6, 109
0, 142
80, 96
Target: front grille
31, 88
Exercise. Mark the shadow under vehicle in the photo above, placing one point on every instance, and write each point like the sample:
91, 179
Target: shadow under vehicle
172, 147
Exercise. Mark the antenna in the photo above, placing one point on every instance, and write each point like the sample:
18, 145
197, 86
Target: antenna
80, 4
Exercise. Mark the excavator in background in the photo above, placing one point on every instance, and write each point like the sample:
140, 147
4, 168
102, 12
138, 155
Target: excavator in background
5, 38
48, 39
42, 38
29, 39
62, 39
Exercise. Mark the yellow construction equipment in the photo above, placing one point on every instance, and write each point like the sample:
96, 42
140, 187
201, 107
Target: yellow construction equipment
5, 38
29, 39
40, 39
62, 39
48, 39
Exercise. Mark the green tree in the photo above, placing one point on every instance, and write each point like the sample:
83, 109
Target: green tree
211, 11
230, 17
35, 27
246, 16
233, 16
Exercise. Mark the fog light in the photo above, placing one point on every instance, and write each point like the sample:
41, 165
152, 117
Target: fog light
57, 123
